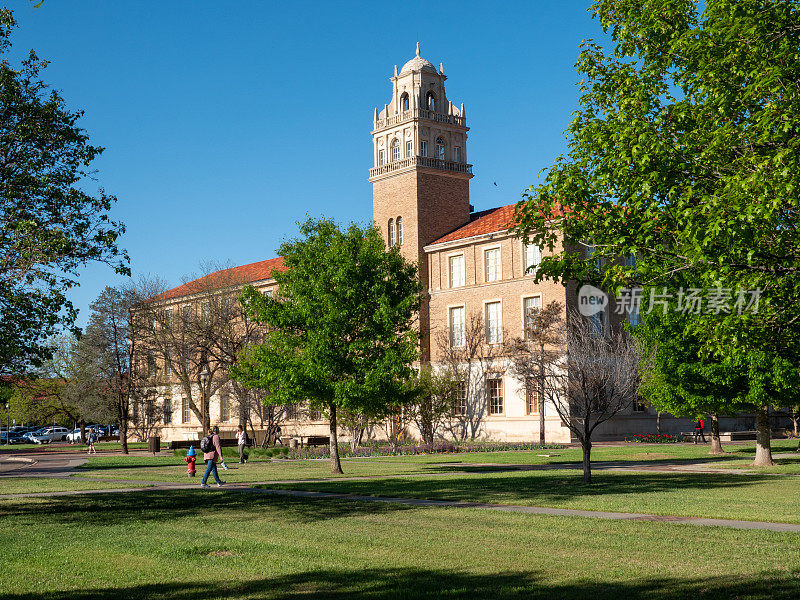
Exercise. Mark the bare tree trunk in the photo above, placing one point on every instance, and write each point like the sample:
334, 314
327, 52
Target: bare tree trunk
763, 432
716, 443
336, 464
541, 398
658, 422
586, 445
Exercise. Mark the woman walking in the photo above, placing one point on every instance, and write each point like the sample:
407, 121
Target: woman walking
92, 440
212, 451
241, 442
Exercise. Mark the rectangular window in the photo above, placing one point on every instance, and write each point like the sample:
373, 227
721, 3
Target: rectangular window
530, 306
224, 408
167, 362
186, 313
168, 319
423, 148
494, 392
638, 407
151, 364
457, 271
291, 412
492, 262
457, 326
205, 311
494, 323
533, 257
381, 157
457, 154
184, 410
460, 400
597, 324
151, 411
531, 396
409, 149
396, 151
167, 411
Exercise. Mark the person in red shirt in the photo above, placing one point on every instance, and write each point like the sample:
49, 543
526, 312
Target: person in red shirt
698, 431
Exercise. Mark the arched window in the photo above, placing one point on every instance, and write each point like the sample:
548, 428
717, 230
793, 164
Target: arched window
430, 101
395, 149
404, 102
392, 234
399, 231
439, 148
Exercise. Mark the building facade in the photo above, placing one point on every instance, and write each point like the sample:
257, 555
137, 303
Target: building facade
478, 280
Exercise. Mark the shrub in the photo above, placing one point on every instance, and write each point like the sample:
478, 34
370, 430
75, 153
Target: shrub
652, 438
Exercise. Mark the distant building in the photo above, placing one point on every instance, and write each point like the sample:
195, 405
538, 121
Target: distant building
469, 265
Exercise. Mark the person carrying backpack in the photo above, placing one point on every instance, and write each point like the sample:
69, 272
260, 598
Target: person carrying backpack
212, 452
241, 442
92, 440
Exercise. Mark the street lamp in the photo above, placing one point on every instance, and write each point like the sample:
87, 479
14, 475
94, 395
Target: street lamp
203, 379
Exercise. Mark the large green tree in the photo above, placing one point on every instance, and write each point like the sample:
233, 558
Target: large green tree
341, 331
50, 226
684, 153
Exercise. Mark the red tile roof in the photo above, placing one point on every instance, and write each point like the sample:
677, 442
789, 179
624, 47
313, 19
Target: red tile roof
257, 271
481, 223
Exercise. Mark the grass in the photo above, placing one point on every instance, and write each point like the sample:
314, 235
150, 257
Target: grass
754, 498
29, 485
203, 545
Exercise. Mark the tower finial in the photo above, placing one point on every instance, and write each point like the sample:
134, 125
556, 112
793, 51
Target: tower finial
417, 48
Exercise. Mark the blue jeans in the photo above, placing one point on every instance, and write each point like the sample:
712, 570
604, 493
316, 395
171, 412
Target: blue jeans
211, 467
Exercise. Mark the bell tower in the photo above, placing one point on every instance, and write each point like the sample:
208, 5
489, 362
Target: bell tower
420, 178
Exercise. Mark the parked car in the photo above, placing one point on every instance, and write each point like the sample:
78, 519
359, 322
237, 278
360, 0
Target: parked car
74, 436
30, 434
50, 434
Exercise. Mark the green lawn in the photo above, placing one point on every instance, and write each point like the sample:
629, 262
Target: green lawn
202, 545
752, 497
28, 485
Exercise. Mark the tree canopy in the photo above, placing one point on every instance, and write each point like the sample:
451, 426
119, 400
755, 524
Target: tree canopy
50, 226
340, 324
683, 154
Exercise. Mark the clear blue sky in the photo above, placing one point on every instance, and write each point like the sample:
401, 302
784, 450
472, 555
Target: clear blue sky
225, 123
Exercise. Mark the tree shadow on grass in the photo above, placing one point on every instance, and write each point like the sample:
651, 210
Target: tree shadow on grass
536, 487
388, 583
167, 505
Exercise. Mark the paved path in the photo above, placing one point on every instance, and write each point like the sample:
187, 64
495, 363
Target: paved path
63, 465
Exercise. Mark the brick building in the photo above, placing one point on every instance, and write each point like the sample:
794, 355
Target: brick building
469, 265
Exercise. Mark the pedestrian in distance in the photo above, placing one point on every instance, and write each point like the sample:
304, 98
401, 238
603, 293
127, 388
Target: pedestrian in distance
92, 440
241, 444
698, 431
212, 452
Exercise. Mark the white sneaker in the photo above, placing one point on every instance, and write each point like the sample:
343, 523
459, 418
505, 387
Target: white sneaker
204, 485
220, 483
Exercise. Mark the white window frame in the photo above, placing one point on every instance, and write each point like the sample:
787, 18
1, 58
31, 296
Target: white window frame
392, 233
459, 281
457, 336
441, 150
498, 266
457, 154
423, 148
525, 333
399, 225
493, 335
395, 147
495, 377
531, 257
381, 157
409, 148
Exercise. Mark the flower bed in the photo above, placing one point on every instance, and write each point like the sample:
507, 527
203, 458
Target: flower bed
652, 438
383, 449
